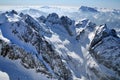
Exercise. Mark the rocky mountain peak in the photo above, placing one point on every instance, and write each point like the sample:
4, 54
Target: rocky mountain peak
105, 48
88, 9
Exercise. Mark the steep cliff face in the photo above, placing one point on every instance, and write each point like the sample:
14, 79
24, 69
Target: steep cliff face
59, 48
105, 49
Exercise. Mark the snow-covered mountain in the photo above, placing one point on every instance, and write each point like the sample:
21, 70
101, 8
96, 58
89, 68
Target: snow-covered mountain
57, 47
88, 9
100, 16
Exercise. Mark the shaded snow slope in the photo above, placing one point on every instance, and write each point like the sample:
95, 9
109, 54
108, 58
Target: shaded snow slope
16, 71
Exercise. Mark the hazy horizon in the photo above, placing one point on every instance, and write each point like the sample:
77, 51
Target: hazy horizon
113, 4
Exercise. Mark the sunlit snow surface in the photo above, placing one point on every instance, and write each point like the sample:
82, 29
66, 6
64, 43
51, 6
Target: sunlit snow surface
4, 76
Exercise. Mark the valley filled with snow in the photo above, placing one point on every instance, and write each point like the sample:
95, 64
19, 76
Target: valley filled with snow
59, 43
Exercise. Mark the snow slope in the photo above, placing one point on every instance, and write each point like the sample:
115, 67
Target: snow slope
15, 71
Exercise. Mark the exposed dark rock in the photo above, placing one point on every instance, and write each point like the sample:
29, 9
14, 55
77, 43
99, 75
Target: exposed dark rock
14, 12
67, 22
108, 55
42, 19
53, 18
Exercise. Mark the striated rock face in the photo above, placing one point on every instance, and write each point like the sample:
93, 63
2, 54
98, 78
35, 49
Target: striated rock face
105, 49
67, 22
28, 45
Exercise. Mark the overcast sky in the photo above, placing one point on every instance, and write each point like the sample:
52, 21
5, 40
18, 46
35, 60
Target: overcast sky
75, 3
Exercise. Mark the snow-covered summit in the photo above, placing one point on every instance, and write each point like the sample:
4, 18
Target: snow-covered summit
88, 9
